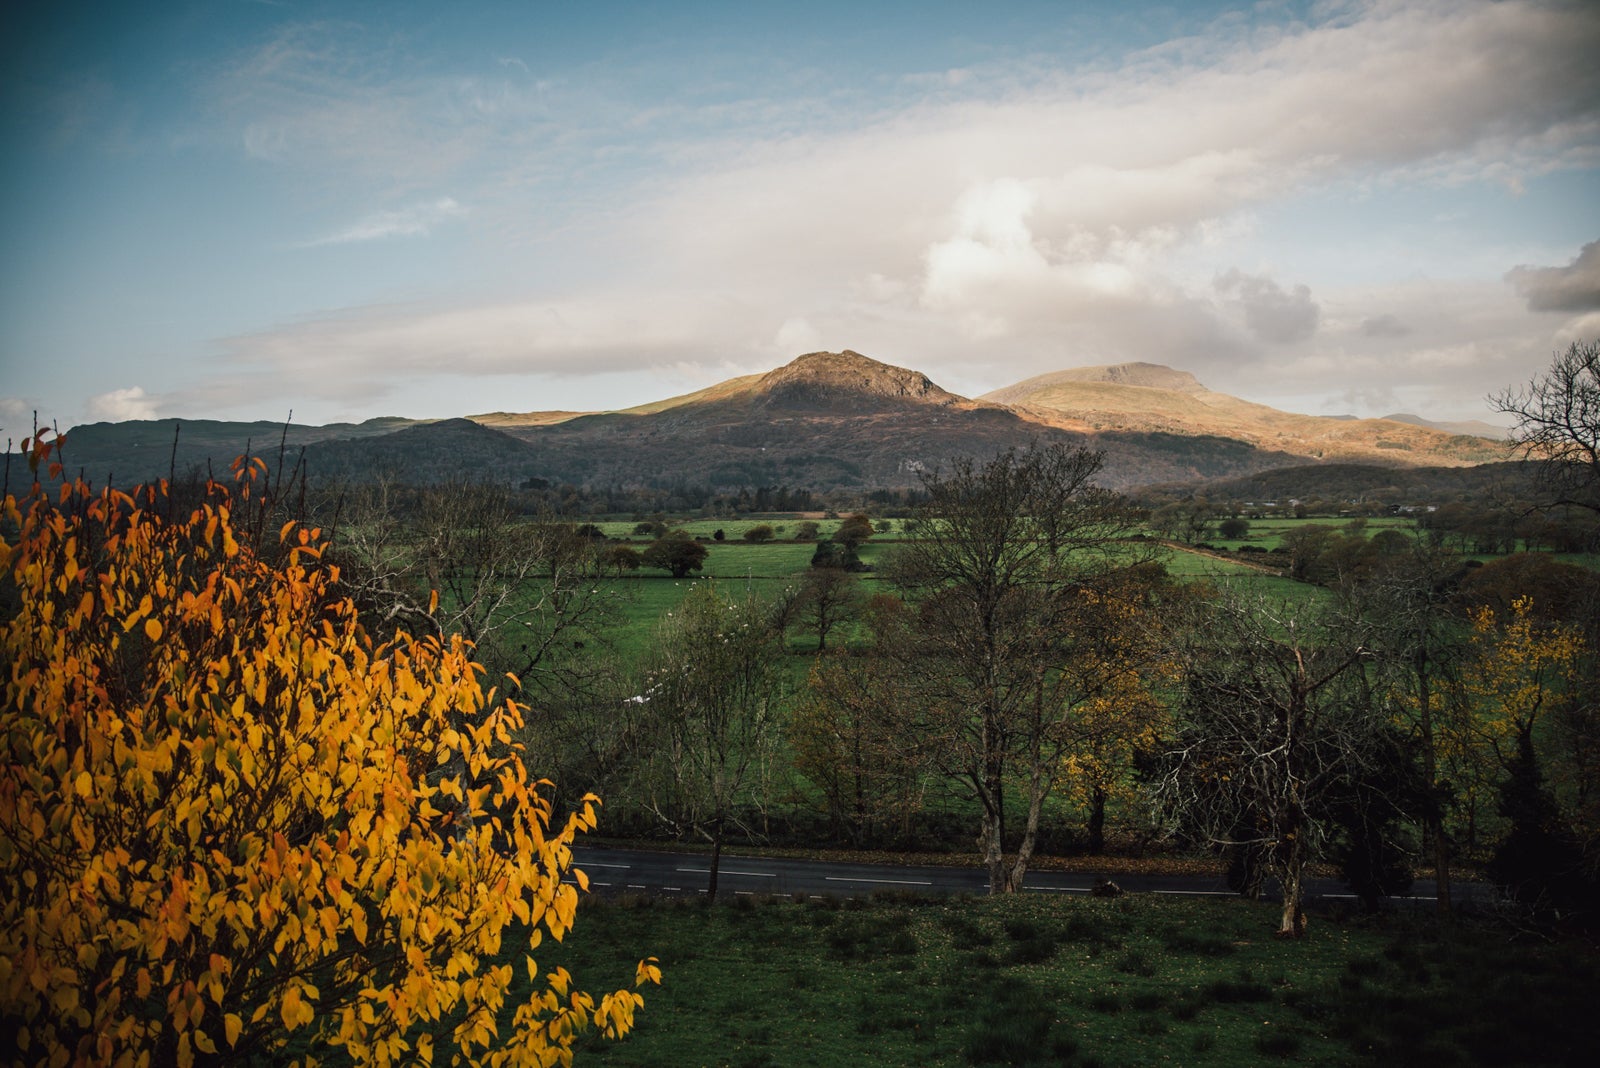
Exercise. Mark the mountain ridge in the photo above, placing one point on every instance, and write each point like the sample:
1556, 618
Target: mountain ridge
822, 420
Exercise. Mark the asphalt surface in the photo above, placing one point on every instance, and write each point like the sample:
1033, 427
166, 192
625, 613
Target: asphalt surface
621, 871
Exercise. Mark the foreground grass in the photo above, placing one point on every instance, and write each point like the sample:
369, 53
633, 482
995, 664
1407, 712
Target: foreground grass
1075, 980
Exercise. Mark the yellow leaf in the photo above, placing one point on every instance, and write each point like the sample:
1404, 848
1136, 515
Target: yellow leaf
231, 1026
152, 629
84, 784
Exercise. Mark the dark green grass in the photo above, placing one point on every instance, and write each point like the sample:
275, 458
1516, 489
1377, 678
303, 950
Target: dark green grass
1130, 981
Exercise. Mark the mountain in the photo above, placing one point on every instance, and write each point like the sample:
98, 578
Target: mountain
1472, 427
139, 450
1148, 398
825, 420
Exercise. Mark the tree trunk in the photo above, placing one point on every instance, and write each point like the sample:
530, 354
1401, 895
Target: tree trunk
716, 860
1293, 922
1433, 824
1097, 821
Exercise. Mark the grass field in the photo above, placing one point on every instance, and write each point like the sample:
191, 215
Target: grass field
1136, 980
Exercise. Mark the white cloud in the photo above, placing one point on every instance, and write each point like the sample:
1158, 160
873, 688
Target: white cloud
121, 404
1043, 220
418, 220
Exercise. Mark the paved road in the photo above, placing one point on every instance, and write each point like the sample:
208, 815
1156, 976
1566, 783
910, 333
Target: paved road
646, 871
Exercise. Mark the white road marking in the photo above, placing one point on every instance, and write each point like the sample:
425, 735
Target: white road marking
1059, 889
725, 871
894, 882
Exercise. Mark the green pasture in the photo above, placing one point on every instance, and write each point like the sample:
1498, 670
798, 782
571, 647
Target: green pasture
733, 530
1061, 980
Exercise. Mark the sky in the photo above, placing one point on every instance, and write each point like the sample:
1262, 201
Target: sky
246, 209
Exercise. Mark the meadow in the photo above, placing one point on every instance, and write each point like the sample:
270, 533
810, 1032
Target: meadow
1035, 979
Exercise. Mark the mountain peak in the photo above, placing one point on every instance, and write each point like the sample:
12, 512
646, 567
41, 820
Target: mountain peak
829, 379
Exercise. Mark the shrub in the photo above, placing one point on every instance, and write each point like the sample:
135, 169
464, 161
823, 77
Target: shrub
232, 820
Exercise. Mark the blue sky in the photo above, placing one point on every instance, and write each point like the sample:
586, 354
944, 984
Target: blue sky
237, 209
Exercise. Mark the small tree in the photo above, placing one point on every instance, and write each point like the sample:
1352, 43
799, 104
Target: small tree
232, 821
1233, 528
806, 530
710, 717
828, 596
619, 558
849, 741
854, 531
677, 553
759, 533
1274, 722
830, 555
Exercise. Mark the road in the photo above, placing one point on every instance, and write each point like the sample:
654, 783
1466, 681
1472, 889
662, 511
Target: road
644, 871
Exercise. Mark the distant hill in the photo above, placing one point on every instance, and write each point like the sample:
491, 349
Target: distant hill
1481, 484
139, 450
1148, 398
823, 421
1471, 427
450, 450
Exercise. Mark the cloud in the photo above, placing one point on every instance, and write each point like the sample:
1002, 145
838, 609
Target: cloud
1385, 325
1273, 314
1040, 217
1573, 288
121, 404
418, 220
16, 417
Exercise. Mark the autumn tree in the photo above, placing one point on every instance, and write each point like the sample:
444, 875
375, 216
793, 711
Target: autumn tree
231, 821
1275, 720
1525, 679
1558, 423
1122, 715
1012, 618
853, 532
708, 715
852, 735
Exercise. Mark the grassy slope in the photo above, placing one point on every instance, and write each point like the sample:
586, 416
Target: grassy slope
1060, 980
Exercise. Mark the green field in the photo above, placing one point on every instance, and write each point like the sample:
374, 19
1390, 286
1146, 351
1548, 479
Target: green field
1032, 979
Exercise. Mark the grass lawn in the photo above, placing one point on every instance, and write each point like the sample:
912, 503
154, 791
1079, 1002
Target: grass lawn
1035, 979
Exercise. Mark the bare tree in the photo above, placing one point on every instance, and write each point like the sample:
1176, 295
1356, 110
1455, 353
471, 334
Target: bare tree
827, 597
1008, 622
527, 592
1276, 717
1558, 423
708, 716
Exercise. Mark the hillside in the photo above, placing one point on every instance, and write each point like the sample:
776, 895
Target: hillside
823, 421
843, 420
1147, 398
139, 450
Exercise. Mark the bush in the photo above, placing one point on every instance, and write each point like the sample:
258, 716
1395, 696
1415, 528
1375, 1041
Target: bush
758, 533
212, 775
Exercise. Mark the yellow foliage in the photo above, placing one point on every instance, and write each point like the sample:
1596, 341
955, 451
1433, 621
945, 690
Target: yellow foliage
229, 819
1520, 669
